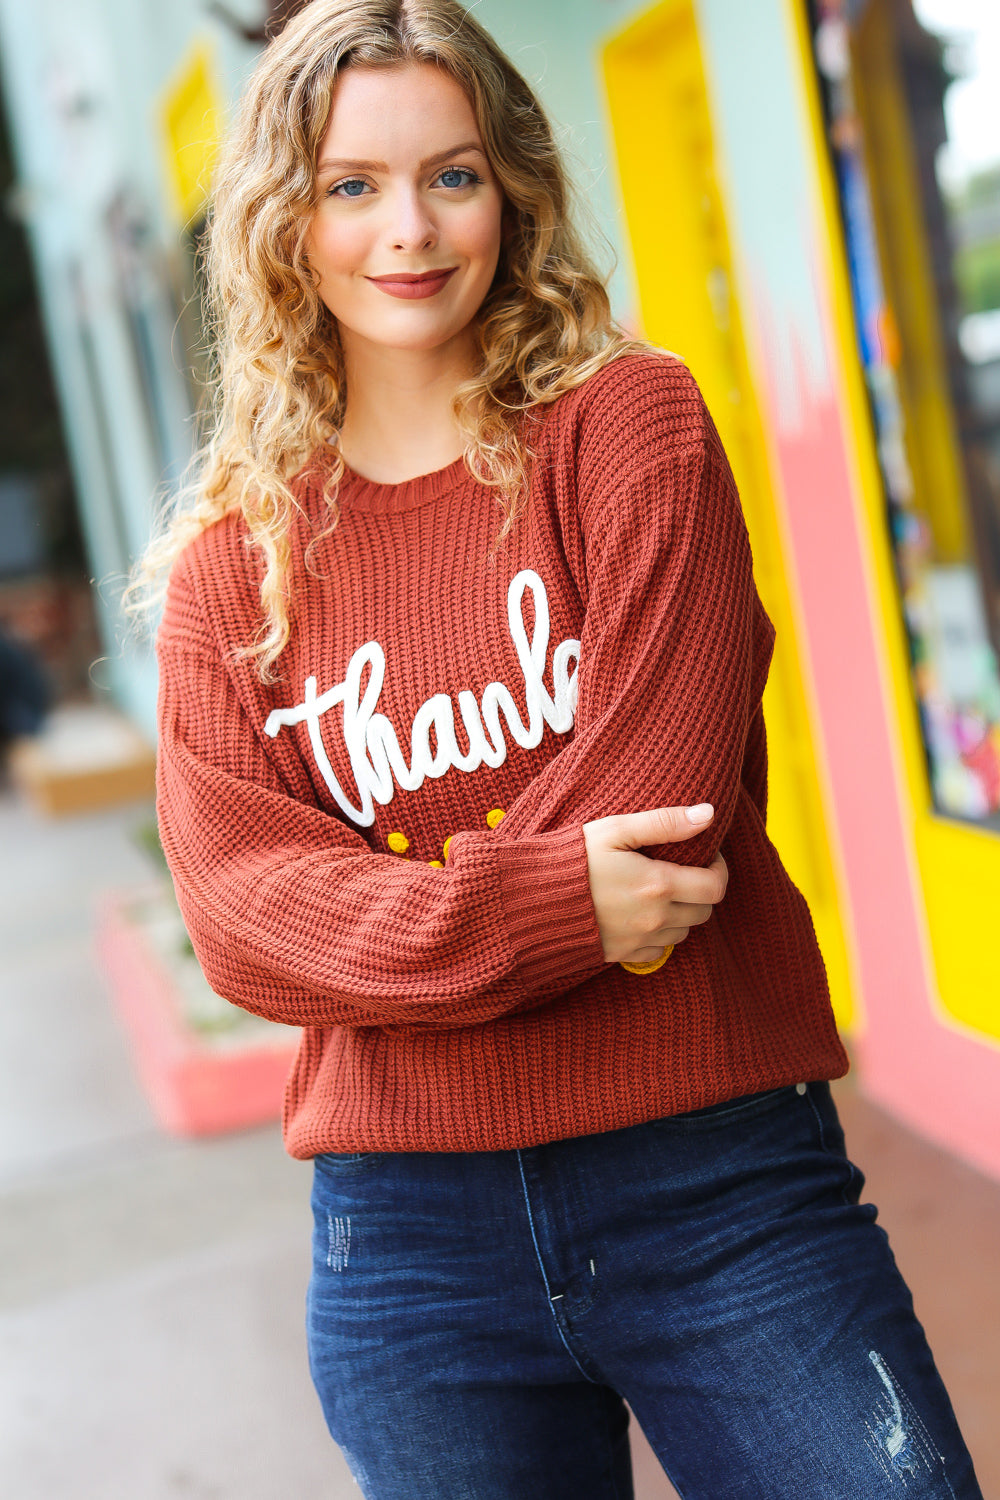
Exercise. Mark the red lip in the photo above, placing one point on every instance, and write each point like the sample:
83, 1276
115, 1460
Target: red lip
412, 285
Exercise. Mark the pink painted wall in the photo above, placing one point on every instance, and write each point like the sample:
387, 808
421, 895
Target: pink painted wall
943, 1082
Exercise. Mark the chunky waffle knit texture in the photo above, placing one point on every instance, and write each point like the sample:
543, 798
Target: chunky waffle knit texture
385, 846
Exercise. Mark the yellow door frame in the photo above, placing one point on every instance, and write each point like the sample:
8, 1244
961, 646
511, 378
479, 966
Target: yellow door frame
661, 126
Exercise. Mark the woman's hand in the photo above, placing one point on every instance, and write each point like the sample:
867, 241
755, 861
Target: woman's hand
643, 905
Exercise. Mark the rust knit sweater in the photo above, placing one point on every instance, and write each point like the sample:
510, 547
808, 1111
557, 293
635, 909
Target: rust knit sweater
385, 847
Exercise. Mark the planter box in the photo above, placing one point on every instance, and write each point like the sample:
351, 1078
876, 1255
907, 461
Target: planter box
87, 756
205, 1065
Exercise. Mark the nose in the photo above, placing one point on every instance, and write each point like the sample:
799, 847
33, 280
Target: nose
412, 226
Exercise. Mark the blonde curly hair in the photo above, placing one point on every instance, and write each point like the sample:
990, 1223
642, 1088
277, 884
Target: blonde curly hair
544, 327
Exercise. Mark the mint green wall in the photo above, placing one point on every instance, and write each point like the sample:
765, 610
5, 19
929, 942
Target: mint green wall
83, 82
556, 44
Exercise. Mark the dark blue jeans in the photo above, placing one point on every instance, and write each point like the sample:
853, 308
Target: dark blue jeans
478, 1320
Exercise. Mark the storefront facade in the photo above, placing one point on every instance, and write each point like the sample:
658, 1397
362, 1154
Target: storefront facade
114, 109
780, 225
790, 238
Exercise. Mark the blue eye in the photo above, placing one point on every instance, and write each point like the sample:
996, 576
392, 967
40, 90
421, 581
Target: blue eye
457, 177
351, 187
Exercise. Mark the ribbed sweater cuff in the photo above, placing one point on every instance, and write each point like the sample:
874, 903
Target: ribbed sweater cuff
548, 908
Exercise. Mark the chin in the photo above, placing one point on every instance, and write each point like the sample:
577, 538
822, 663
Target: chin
410, 340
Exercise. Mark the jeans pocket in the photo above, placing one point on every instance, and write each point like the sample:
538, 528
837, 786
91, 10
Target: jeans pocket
727, 1112
339, 1163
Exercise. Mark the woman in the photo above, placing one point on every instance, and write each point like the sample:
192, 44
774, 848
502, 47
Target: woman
464, 589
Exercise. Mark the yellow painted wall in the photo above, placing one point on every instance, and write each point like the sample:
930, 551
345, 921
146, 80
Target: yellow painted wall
674, 209
191, 116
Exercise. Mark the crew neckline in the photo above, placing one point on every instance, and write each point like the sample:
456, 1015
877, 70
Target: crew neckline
358, 493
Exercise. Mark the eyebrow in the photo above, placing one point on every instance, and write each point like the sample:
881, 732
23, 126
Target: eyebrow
343, 164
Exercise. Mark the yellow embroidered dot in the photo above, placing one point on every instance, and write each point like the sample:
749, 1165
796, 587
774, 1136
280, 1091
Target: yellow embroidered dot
447, 842
494, 816
398, 842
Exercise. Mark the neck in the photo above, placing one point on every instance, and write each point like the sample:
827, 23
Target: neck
399, 421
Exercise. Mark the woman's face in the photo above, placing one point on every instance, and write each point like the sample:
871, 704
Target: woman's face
406, 237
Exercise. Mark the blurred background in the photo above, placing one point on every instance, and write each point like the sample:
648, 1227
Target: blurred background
803, 200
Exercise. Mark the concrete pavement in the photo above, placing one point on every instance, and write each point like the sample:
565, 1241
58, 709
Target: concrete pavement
150, 1289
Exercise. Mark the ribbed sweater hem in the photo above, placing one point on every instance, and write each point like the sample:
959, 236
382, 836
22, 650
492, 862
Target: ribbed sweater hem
384, 1093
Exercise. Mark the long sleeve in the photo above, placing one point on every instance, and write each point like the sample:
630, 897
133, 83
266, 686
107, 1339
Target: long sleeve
291, 913
673, 654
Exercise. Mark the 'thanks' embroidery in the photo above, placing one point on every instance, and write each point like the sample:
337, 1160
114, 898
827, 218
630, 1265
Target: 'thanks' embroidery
373, 747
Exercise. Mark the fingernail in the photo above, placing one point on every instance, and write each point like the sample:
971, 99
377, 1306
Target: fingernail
701, 813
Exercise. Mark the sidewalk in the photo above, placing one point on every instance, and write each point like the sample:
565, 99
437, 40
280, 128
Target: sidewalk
151, 1289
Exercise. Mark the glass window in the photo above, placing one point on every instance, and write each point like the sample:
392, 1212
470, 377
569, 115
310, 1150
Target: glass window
910, 90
